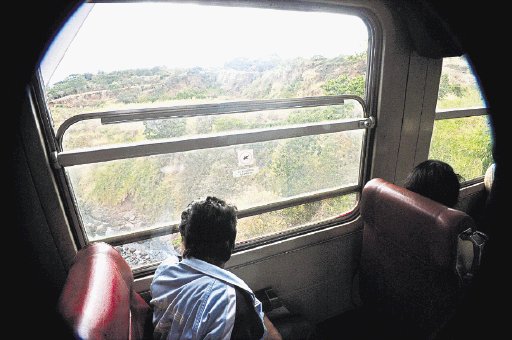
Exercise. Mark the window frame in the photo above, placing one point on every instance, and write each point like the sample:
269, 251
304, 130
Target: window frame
461, 113
60, 159
63, 159
453, 113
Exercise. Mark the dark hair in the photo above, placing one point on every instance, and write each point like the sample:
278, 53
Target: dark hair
436, 180
208, 229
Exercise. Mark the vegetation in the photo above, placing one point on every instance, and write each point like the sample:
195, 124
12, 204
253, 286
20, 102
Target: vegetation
137, 193
446, 88
345, 84
464, 143
468, 150
166, 128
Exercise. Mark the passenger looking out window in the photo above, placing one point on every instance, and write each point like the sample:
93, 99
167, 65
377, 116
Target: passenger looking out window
196, 298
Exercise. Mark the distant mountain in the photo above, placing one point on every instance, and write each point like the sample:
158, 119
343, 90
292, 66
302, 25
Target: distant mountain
238, 79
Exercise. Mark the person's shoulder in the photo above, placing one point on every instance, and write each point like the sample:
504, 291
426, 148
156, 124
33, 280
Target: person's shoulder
166, 265
224, 277
170, 261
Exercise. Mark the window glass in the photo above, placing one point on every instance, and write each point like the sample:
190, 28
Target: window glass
464, 143
458, 87
124, 196
136, 55
143, 254
113, 58
286, 219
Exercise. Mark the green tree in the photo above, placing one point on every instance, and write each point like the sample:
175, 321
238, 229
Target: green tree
73, 84
129, 95
164, 128
107, 186
191, 94
345, 85
464, 143
357, 58
320, 114
446, 88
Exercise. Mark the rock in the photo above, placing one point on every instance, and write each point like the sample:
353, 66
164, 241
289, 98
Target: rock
129, 216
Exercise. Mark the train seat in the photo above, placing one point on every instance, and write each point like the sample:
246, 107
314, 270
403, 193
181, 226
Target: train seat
408, 277
98, 300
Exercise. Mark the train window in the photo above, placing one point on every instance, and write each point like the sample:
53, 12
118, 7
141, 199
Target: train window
461, 135
149, 112
458, 87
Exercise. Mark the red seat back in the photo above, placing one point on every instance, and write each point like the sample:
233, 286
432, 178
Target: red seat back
409, 256
98, 301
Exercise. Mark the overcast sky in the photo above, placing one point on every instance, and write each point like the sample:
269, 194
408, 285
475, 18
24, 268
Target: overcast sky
126, 36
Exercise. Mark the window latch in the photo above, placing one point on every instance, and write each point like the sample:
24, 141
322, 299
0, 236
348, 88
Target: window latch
368, 123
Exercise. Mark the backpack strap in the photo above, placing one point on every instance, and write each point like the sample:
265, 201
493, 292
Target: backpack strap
248, 324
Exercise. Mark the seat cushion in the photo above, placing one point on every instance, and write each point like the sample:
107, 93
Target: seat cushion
409, 255
97, 301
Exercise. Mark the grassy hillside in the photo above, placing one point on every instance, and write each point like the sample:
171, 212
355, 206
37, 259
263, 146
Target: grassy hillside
240, 79
464, 143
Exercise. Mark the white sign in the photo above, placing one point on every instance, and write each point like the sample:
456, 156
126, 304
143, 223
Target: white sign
245, 157
245, 172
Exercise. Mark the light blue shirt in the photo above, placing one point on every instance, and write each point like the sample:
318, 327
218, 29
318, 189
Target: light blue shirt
194, 299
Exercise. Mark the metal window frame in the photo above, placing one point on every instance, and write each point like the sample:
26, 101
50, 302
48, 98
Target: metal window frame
98, 155
168, 146
372, 81
132, 115
461, 113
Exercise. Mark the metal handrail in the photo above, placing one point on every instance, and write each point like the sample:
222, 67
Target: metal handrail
129, 115
169, 146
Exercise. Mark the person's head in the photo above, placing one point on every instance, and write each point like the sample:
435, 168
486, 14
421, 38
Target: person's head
208, 230
436, 180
